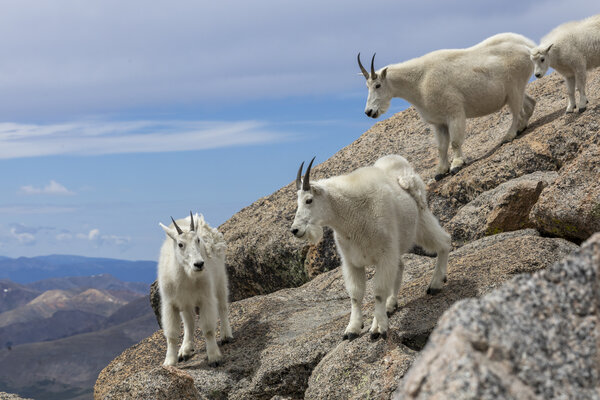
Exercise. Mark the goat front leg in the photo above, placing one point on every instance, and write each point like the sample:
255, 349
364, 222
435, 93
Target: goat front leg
226, 335
187, 346
354, 278
392, 300
171, 323
570, 82
580, 81
443, 140
456, 131
384, 281
208, 324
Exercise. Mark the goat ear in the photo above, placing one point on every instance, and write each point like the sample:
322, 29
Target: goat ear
547, 49
170, 232
383, 73
316, 190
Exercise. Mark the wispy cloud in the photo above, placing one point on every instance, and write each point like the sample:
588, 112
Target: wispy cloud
101, 137
52, 188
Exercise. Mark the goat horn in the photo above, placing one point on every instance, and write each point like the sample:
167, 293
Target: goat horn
179, 231
364, 71
192, 222
299, 177
306, 181
373, 74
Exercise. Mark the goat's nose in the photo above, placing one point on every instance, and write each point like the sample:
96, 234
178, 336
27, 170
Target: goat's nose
294, 231
199, 264
368, 112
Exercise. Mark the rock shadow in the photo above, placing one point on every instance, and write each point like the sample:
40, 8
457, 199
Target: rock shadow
419, 316
241, 356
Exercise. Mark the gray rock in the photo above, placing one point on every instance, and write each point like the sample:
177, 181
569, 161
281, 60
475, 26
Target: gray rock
502, 209
10, 396
570, 207
536, 337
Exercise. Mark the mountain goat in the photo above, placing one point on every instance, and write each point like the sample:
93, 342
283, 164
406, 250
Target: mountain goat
377, 214
571, 49
448, 86
191, 274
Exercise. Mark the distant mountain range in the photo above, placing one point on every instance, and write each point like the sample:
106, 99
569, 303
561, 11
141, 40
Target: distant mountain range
57, 334
31, 269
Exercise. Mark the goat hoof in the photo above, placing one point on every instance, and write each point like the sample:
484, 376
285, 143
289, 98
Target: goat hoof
362, 326
350, 336
227, 339
455, 170
433, 291
214, 364
445, 279
582, 109
184, 358
375, 335
439, 177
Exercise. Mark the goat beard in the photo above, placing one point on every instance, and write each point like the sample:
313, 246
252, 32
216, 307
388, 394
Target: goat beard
314, 234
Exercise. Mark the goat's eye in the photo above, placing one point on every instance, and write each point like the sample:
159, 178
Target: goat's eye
542, 59
308, 201
378, 86
180, 245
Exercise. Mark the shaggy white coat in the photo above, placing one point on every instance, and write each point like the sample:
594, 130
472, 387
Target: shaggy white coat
448, 86
571, 49
377, 214
191, 274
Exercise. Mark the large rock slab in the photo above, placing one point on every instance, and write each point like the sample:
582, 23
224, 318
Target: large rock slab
536, 337
570, 207
289, 342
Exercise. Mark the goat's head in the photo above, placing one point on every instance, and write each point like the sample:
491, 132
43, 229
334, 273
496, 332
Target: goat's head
189, 248
312, 208
539, 56
380, 94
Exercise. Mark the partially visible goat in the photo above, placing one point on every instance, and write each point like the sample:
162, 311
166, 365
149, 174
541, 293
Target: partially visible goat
571, 49
191, 274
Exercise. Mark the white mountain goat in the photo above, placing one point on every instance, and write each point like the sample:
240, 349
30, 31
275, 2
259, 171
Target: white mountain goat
571, 49
377, 214
448, 86
191, 274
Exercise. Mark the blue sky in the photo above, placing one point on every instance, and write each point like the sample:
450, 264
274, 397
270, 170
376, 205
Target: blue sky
115, 115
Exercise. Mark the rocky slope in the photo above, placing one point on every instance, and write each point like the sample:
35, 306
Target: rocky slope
509, 212
562, 149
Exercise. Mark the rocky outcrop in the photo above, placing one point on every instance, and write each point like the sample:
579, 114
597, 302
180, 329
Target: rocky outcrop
536, 337
10, 396
288, 343
502, 209
570, 207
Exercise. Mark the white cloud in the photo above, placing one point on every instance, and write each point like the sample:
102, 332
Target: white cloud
101, 137
98, 239
24, 238
52, 188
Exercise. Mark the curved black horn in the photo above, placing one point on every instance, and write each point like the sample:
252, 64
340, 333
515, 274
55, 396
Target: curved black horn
299, 177
306, 181
373, 74
192, 222
364, 71
179, 231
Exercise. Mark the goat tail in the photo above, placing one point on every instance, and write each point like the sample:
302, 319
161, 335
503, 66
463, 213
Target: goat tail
415, 187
